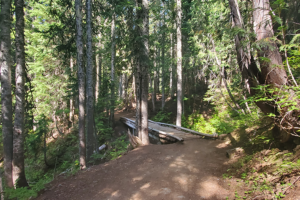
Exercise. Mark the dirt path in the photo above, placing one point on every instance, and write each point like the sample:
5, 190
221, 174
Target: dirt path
189, 170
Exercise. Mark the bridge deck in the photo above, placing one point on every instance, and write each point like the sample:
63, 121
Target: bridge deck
172, 131
168, 131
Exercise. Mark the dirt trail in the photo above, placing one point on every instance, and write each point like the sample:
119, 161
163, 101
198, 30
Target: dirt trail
189, 170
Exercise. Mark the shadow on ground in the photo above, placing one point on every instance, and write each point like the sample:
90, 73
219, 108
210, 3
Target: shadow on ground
189, 170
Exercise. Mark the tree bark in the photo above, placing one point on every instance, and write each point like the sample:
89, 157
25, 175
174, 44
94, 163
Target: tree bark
163, 62
154, 77
250, 73
158, 71
179, 64
272, 70
6, 97
142, 82
145, 66
90, 84
72, 110
81, 86
172, 71
19, 178
138, 99
112, 73
98, 70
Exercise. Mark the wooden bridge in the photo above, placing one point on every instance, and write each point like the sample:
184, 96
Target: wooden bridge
166, 133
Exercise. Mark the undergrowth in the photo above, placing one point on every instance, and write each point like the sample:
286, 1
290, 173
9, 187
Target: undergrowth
62, 153
269, 173
223, 121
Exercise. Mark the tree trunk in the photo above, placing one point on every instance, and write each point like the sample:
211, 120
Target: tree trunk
171, 68
145, 66
138, 99
272, 73
72, 110
154, 78
272, 70
19, 178
90, 83
120, 86
163, 76
158, 71
81, 86
98, 71
179, 64
142, 82
6, 97
250, 73
112, 73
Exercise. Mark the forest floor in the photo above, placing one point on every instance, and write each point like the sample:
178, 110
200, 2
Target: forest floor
194, 169
189, 170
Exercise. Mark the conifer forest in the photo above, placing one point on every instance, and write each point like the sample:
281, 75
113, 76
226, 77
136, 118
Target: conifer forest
89, 84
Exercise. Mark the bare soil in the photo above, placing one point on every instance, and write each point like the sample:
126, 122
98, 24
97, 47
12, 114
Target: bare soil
189, 170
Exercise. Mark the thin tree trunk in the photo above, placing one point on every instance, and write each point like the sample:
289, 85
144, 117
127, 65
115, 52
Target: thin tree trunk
134, 87
99, 71
1, 186
81, 86
120, 86
112, 73
19, 178
72, 110
126, 91
90, 84
138, 99
97, 85
179, 64
246, 103
158, 71
154, 78
6, 97
163, 76
153, 94
171, 68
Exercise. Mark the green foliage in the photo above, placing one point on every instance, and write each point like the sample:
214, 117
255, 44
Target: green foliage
162, 116
26, 193
118, 147
34, 138
21, 193
103, 128
222, 122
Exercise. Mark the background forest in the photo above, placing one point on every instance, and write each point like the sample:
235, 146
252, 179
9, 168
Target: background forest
213, 66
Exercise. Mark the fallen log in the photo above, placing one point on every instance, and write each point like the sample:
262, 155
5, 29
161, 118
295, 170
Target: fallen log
103, 146
215, 135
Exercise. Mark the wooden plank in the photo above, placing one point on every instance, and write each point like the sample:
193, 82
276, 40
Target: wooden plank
167, 134
186, 129
130, 123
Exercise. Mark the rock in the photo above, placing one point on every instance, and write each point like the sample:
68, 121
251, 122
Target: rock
165, 190
223, 136
297, 148
266, 151
234, 152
